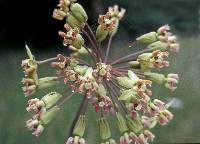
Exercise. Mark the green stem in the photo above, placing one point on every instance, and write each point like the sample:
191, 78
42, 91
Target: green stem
108, 48
134, 55
47, 60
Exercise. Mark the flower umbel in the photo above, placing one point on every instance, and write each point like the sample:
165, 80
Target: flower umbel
121, 88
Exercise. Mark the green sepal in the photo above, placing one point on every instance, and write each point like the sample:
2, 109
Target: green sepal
104, 129
134, 124
78, 42
121, 123
147, 38
158, 78
101, 90
80, 69
132, 75
158, 46
101, 33
47, 82
79, 128
125, 82
134, 64
73, 22
127, 95
49, 115
51, 99
79, 12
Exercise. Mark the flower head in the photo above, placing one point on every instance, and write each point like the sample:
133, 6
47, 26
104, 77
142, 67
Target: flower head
141, 87
172, 81
107, 21
116, 12
157, 59
70, 35
121, 87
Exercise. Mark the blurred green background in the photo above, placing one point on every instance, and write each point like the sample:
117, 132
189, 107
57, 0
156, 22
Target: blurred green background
142, 16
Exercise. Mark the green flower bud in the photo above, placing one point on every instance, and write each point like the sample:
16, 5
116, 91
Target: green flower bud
79, 128
132, 76
121, 122
50, 99
147, 38
144, 60
125, 82
79, 12
158, 46
78, 42
134, 64
104, 129
159, 78
88, 86
73, 22
73, 63
115, 28
101, 90
80, 69
72, 78
47, 82
89, 72
127, 95
49, 115
134, 124
101, 33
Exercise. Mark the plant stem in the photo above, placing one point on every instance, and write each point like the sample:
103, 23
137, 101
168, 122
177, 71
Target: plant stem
92, 42
47, 60
112, 98
95, 41
83, 62
108, 48
91, 54
84, 100
65, 100
122, 59
115, 94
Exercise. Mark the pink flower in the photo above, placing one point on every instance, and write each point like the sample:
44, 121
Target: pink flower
172, 81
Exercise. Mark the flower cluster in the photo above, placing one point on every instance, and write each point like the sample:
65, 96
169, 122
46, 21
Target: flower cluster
121, 88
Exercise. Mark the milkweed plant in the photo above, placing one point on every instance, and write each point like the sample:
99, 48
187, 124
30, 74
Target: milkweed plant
119, 88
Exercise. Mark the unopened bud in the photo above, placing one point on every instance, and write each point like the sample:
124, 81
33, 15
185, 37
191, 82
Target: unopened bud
125, 82
134, 124
158, 78
79, 128
147, 38
101, 33
73, 22
50, 99
158, 46
79, 12
49, 115
104, 129
47, 82
121, 122
78, 42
